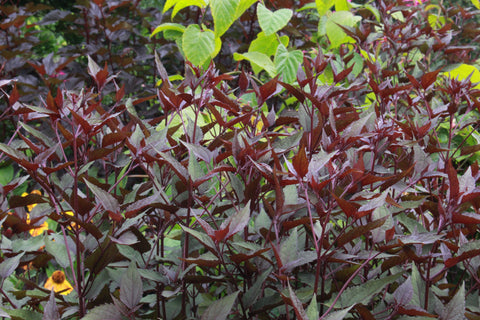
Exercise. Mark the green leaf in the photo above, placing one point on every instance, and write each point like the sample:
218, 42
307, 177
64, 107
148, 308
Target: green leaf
12, 153
4, 314
267, 44
341, 5
9, 265
50, 312
334, 32
255, 290
168, 26
198, 45
180, 4
418, 287
455, 309
104, 312
220, 309
287, 63
131, 288
476, 3
259, 59
289, 248
6, 174
463, 71
312, 309
59, 251
363, 293
203, 238
37, 134
25, 314
323, 6
107, 201
224, 14
297, 304
239, 220
243, 6
338, 315
271, 22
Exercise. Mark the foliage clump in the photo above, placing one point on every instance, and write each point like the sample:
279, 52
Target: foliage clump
240, 159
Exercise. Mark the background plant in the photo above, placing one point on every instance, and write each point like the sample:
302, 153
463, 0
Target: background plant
343, 187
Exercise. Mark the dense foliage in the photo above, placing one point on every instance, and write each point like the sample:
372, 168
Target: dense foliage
239, 159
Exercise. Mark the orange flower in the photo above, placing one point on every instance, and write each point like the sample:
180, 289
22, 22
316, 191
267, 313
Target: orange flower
37, 230
58, 283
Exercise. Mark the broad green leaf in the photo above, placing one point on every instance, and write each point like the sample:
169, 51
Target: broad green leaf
224, 14
6, 174
287, 63
323, 6
271, 22
243, 6
334, 32
220, 309
168, 26
259, 59
363, 293
267, 44
131, 288
198, 46
180, 4
104, 312
9, 265
59, 251
455, 309
341, 5
187, 3
476, 3
463, 71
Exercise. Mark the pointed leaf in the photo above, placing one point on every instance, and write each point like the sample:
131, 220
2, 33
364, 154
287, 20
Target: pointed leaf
198, 45
364, 293
259, 59
131, 288
9, 265
239, 220
271, 22
312, 309
323, 6
108, 201
224, 14
220, 309
104, 312
287, 63
297, 305
338, 315
455, 309
203, 238
50, 312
